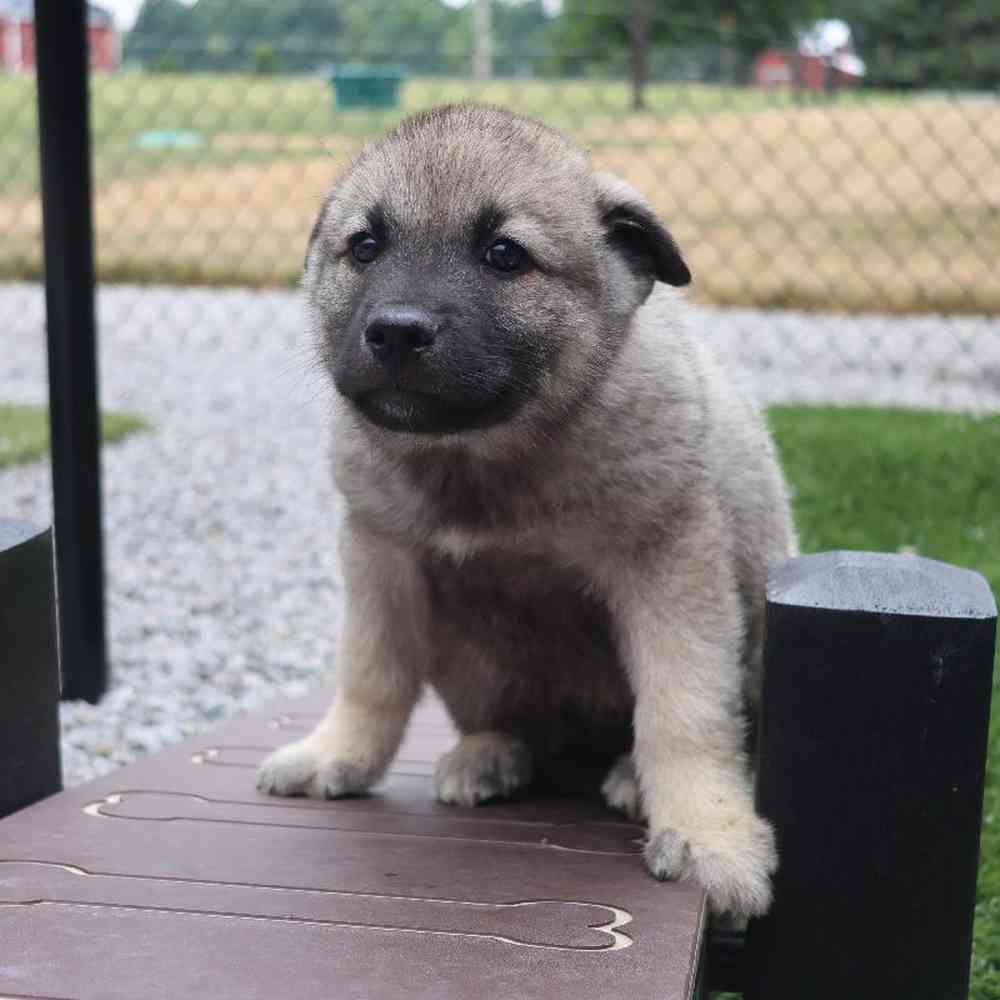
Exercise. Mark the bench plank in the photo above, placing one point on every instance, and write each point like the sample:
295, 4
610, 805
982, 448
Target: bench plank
175, 877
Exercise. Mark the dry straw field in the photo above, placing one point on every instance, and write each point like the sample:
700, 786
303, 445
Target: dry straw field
883, 204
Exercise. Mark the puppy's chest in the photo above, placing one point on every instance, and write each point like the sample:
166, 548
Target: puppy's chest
465, 503
534, 628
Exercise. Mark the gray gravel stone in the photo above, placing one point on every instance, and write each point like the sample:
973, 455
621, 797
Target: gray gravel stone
223, 585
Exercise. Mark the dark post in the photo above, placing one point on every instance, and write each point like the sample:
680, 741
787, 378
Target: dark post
872, 761
29, 668
61, 42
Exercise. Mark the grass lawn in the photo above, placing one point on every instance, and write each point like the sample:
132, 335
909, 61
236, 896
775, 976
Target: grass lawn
881, 203
892, 479
24, 431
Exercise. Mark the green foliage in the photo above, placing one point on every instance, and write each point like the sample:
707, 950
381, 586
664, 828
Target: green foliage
265, 59
715, 41
926, 43
932, 43
165, 63
425, 36
522, 34
24, 431
224, 35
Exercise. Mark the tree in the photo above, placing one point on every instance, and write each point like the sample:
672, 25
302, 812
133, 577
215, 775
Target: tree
159, 24
522, 36
265, 59
482, 45
640, 17
426, 36
225, 34
926, 43
411, 32
601, 33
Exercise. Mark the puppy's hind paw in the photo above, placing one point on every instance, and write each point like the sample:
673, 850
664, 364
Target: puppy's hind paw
481, 767
298, 769
621, 788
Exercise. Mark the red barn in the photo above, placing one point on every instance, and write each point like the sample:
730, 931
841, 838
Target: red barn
773, 68
17, 37
824, 59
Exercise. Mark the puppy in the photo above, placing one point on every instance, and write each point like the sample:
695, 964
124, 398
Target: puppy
559, 514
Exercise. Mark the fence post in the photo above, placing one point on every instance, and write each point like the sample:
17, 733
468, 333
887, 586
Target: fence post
29, 668
872, 762
64, 139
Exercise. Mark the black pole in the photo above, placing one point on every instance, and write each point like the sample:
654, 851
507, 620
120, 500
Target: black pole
61, 46
873, 734
29, 668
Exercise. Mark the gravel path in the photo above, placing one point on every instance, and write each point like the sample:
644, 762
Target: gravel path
221, 523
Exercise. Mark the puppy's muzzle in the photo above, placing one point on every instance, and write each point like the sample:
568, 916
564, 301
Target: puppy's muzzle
395, 335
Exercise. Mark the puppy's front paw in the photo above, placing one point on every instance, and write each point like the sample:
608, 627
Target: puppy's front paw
732, 859
483, 766
621, 788
300, 769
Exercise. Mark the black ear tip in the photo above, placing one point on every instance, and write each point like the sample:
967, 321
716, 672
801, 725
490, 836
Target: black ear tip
634, 230
676, 273
670, 265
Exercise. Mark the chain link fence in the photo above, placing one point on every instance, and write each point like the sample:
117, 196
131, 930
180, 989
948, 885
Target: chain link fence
838, 200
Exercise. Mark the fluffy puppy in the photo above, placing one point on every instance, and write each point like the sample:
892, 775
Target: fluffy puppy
559, 513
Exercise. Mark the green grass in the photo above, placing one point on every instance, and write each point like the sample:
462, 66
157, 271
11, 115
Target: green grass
24, 431
893, 480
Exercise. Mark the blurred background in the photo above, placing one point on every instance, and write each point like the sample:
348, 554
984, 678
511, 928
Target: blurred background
830, 168
827, 157
856, 158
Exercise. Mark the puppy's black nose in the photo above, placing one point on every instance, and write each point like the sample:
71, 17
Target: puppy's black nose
395, 334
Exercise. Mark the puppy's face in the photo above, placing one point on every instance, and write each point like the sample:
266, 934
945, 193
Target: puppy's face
470, 270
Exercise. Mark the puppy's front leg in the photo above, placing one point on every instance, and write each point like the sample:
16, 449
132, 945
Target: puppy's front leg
380, 668
681, 632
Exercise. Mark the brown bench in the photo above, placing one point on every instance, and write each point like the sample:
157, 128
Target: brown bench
175, 878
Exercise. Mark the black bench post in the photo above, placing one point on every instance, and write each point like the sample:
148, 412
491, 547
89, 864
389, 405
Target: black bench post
872, 762
29, 668
61, 43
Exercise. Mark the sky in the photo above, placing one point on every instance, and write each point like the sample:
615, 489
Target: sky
125, 11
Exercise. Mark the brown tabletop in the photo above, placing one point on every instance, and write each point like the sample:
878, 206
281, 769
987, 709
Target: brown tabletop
175, 878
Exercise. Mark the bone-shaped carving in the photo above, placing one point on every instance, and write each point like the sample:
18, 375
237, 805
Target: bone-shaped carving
231, 756
294, 720
587, 837
250, 758
560, 925
26, 996
430, 719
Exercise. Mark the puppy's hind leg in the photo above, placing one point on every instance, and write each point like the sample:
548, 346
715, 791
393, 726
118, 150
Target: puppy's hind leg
483, 766
621, 788
380, 663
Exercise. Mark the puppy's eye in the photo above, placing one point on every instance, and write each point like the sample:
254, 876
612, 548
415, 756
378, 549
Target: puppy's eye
505, 255
365, 248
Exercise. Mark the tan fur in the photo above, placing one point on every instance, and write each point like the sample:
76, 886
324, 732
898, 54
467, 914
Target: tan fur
587, 571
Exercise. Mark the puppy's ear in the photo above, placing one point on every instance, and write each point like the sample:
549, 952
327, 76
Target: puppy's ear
633, 230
